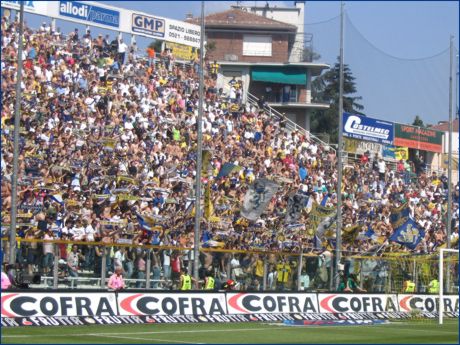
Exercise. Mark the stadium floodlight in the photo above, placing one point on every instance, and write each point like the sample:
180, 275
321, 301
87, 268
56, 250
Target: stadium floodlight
197, 228
441, 280
338, 245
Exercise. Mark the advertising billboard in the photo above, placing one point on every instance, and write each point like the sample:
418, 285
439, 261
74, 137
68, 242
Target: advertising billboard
251, 303
37, 7
115, 18
148, 25
89, 13
367, 129
23, 304
171, 304
181, 51
166, 29
418, 138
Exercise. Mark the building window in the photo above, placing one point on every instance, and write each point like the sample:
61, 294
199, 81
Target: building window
257, 45
293, 96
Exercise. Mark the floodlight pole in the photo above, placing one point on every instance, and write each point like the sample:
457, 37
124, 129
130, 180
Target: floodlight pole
338, 247
449, 171
449, 162
17, 115
196, 248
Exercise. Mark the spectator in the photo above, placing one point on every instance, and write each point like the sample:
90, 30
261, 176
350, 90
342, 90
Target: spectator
6, 283
122, 48
116, 281
107, 144
73, 260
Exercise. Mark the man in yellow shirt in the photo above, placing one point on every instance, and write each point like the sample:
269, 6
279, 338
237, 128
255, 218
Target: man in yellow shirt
259, 271
214, 70
283, 270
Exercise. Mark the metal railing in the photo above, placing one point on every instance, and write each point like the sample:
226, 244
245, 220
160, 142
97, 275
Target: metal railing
95, 283
249, 269
290, 125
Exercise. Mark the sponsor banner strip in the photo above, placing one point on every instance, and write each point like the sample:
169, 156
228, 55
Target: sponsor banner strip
70, 304
288, 318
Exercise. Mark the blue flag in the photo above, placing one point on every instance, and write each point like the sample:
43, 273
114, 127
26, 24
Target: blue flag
408, 234
145, 222
370, 232
324, 201
399, 213
226, 169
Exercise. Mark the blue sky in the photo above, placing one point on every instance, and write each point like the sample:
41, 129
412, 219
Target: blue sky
397, 50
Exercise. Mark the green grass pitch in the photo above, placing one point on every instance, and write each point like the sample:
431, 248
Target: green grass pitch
425, 332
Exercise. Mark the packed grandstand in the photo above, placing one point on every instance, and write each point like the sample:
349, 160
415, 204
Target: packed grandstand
108, 154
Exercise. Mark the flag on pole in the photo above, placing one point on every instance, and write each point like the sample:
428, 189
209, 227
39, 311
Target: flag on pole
208, 206
257, 198
408, 234
206, 159
296, 203
399, 214
145, 222
227, 169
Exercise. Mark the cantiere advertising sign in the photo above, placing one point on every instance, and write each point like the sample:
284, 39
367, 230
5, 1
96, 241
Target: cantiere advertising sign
418, 138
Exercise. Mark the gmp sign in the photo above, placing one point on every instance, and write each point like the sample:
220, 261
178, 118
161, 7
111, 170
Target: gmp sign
148, 25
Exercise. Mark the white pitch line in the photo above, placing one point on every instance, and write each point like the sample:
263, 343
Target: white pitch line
209, 331
139, 333
145, 339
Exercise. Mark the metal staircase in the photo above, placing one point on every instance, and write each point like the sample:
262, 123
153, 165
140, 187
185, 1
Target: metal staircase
290, 125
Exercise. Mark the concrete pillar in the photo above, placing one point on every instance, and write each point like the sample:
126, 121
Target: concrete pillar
148, 269
264, 285
299, 271
104, 268
56, 266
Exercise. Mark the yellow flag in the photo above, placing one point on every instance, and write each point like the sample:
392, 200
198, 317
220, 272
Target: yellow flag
208, 206
206, 161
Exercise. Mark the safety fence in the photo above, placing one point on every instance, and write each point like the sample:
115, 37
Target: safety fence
102, 307
69, 264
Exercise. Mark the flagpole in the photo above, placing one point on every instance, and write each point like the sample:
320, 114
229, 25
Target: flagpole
449, 171
338, 246
196, 247
17, 114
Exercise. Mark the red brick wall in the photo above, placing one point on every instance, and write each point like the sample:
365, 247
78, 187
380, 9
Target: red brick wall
302, 92
232, 43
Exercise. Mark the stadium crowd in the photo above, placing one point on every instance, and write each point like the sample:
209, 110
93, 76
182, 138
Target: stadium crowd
108, 155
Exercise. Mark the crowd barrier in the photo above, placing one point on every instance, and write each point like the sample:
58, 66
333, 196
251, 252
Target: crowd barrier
252, 270
66, 308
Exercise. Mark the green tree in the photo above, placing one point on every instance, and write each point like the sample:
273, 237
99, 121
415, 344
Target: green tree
418, 122
156, 45
325, 89
310, 55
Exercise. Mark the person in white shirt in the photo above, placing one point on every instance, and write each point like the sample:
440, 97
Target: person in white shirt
382, 169
122, 48
48, 252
